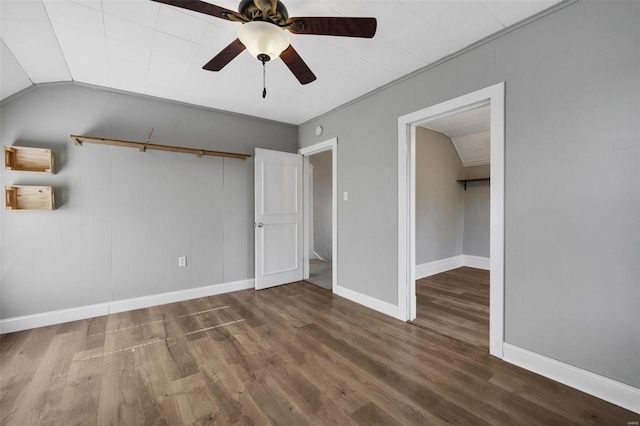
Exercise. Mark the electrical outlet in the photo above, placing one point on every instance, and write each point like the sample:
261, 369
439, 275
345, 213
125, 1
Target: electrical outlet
182, 261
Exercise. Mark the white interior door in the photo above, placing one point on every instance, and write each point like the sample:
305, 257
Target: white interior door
278, 218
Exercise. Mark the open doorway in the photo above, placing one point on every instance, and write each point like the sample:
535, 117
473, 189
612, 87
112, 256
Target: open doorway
407, 129
320, 221
452, 215
320, 214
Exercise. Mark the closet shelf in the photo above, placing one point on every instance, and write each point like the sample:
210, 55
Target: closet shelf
143, 146
464, 181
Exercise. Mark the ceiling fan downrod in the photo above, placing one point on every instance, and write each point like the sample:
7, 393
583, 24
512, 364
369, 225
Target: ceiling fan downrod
264, 59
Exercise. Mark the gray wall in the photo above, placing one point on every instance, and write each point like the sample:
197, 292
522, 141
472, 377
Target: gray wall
477, 218
477, 212
572, 200
124, 217
449, 220
322, 205
473, 172
439, 198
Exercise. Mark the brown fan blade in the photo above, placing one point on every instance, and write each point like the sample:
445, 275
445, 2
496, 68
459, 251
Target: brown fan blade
333, 26
297, 66
225, 56
202, 7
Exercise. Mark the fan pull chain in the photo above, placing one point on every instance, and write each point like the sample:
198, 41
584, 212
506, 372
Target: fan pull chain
264, 80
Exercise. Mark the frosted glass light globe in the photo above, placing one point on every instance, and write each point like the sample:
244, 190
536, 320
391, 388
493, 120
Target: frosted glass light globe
263, 38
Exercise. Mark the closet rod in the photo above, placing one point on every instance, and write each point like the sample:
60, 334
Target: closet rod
143, 146
464, 181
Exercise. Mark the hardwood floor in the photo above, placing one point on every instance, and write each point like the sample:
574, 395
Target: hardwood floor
455, 304
320, 273
294, 354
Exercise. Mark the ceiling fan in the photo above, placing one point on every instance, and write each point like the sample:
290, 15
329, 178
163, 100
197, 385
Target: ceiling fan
263, 32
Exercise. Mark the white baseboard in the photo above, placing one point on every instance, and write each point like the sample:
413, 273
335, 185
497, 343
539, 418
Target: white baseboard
438, 266
601, 387
443, 265
368, 301
477, 262
178, 296
26, 322
10, 325
317, 256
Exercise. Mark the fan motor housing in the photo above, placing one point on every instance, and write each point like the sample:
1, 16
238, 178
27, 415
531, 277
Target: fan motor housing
250, 10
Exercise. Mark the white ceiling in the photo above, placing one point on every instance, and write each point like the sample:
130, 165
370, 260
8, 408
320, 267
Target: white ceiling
154, 49
470, 132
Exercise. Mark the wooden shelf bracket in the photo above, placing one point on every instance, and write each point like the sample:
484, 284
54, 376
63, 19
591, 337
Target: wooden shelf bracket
143, 146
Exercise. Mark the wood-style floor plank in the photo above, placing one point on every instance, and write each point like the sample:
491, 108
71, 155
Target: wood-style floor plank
455, 304
294, 354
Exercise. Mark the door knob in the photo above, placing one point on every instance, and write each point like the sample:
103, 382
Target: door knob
258, 225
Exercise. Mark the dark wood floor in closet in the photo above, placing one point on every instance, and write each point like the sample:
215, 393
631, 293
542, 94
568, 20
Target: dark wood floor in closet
455, 304
295, 354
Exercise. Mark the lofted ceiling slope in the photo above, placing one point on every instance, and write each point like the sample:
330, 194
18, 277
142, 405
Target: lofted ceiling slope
158, 50
470, 132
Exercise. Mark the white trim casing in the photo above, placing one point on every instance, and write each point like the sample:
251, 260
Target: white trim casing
412, 295
307, 176
601, 387
496, 250
26, 322
368, 301
319, 147
494, 95
332, 145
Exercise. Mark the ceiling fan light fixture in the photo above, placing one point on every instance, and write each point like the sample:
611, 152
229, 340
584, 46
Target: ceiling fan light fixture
263, 40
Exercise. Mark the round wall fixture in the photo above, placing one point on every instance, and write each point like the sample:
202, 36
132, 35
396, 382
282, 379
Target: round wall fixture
318, 130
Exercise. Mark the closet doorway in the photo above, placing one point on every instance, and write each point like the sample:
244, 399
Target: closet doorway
407, 129
452, 215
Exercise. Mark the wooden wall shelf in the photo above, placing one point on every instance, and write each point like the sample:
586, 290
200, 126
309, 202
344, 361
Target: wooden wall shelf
26, 159
29, 198
143, 146
464, 181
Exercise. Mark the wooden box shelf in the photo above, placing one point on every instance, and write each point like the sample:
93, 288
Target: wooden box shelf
26, 159
29, 197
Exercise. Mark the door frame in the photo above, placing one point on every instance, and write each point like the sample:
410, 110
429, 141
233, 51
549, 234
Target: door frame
328, 145
407, 124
